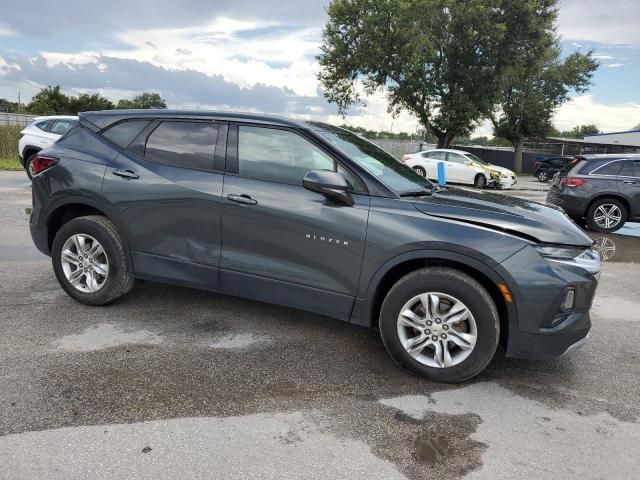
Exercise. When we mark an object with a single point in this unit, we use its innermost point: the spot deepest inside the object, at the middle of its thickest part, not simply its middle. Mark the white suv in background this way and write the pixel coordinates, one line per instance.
(460, 167)
(41, 133)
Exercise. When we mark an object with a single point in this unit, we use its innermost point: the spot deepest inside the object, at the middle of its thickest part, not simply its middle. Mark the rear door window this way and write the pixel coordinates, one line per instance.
(438, 155)
(183, 144)
(612, 168)
(627, 169)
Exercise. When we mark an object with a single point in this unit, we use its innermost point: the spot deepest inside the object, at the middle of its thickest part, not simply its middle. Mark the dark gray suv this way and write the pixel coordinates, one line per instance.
(602, 189)
(314, 217)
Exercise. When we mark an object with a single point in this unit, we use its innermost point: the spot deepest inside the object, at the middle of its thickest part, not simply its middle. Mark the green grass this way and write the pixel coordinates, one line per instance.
(10, 164)
(9, 136)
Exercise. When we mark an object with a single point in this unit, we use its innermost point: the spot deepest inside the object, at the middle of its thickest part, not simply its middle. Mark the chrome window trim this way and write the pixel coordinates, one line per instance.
(594, 172)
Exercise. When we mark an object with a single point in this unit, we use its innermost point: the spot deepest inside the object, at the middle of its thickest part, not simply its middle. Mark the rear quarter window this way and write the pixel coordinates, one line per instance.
(123, 133)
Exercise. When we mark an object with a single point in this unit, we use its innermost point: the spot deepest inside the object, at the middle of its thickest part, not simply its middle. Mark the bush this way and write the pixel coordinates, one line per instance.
(9, 136)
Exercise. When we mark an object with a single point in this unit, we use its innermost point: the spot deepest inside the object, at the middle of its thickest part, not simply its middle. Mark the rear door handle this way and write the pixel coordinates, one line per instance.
(629, 182)
(244, 199)
(128, 174)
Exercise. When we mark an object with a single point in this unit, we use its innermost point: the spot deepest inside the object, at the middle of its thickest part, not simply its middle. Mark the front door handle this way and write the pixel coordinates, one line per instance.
(128, 174)
(629, 182)
(244, 199)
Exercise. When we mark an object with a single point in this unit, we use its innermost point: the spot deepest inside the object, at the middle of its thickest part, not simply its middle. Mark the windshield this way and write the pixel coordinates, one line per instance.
(476, 159)
(394, 174)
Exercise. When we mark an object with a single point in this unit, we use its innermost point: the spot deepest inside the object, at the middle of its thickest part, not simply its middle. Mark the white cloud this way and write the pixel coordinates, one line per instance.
(376, 117)
(584, 110)
(6, 30)
(615, 65)
(598, 21)
(243, 52)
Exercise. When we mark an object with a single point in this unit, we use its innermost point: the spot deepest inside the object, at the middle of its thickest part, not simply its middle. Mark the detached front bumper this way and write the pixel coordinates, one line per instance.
(545, 327)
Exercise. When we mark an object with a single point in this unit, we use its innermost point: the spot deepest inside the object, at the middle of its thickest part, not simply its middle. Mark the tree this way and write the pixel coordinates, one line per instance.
(439, 59)
(49, 101)
(86, 102)
(537, 80)
(8, 106)
(145, 100)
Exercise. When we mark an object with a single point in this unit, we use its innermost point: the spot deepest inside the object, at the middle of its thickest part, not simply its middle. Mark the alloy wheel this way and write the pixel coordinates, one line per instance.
(84, 263)
(437, 329)
(607, 215)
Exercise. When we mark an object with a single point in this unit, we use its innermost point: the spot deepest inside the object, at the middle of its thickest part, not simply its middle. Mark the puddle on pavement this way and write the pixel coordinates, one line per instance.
(106, 335)
(509, 434)
(616, 247)
(239, 340)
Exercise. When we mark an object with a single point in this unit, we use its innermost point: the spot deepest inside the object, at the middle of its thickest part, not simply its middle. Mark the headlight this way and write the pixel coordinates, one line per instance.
(503, 175)
(585, 258)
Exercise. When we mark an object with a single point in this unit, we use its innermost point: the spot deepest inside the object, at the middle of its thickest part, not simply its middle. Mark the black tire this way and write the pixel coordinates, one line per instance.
(420, 171)
(480, 181)
(593, 208)
(456, 284)
(27, 164)
(543, 176)
(120, 278)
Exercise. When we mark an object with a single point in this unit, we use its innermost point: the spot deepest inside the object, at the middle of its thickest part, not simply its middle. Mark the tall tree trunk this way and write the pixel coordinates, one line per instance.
(517, 158)
(444, 139)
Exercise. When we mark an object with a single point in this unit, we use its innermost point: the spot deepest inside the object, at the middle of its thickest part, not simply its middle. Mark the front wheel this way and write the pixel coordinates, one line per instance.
(89, 261)
(480, 181)
(440, 323)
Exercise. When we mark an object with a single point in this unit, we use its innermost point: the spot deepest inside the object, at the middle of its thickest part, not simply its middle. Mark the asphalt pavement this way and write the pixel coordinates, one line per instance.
(177, 383)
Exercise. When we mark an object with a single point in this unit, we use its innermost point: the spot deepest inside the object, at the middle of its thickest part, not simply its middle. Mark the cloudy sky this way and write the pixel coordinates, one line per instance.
(259, 55)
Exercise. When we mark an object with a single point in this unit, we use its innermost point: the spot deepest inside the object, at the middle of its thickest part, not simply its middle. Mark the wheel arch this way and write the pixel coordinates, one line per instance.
(366, 311)
(616, 196)
(27, 151)
(74, 207)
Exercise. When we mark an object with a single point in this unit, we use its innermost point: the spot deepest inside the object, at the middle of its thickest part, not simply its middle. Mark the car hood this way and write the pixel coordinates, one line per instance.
(505, 213)
(506, 171)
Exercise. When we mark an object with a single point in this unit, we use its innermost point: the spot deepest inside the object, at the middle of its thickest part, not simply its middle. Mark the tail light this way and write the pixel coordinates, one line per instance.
(538, 164)
(572, 182)
(40, 164)
(405, 158)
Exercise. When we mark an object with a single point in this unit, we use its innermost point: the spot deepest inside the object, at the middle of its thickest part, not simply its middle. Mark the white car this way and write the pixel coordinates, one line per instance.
(460, 167)
(41, 133)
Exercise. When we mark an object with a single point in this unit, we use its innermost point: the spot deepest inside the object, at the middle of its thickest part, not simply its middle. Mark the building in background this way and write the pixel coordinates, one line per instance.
(630, 137)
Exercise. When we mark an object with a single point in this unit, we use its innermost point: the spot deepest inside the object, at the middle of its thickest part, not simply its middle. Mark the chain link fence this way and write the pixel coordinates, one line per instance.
(398, 148)
(17, 119)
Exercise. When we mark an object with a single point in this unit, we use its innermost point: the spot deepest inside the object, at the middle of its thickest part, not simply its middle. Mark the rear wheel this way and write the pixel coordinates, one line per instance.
(441, 324)
(543, 176)
(89, 261)
(606, 215)
(420, 171)
(480, 181)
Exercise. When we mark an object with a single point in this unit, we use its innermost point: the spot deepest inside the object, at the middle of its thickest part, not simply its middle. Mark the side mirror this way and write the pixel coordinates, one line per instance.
(468, 162)
(330, 184)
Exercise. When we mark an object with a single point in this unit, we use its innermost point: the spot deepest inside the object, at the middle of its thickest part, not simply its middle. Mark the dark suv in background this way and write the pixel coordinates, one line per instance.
(311, 216)
(602, 189)
(545, 169)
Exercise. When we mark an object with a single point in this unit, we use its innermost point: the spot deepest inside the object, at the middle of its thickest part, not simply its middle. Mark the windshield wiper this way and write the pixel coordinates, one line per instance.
(417, 193)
